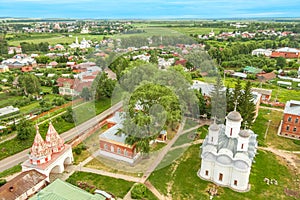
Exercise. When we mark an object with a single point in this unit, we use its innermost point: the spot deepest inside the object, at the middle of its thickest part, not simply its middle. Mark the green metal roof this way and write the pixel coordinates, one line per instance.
(252, 70)
(60, 190)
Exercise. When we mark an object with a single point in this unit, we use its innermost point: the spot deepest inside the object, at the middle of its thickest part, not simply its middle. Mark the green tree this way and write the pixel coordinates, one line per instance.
(139, 191)
(153, 57)
(68, 115)
(246, 106)
(280, 62)
(42, 59)
(25, 129)
(86, 94)
(218, 100)
(29, 83)
(103, 86)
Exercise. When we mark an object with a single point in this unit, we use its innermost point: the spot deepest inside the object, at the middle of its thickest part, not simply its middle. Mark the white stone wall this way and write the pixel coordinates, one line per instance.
(209, 166)
(242, 178)
(225, 170)
(235, 128)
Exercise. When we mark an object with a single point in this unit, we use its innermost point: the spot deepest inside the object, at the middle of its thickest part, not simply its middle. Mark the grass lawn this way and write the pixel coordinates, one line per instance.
(189, 124)
(272, 139)
(97, 164)
(181, 176)
(11, 171)
(117, 187)
(185, 138)
(79, 158)
(90, 109)
(148, 194)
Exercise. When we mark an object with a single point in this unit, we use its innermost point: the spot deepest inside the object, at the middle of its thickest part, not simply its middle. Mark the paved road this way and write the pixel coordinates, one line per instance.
(22, 156)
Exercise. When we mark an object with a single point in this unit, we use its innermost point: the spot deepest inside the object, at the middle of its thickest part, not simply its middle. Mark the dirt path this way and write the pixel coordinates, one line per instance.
(288, 156)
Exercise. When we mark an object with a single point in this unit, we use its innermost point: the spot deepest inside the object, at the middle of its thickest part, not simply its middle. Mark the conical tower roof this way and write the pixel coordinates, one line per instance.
(39, 148)
(53, 140)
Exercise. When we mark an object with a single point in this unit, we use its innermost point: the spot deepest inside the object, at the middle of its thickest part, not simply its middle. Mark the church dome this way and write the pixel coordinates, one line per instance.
(234, 116)
(214, 127)
(244, 133)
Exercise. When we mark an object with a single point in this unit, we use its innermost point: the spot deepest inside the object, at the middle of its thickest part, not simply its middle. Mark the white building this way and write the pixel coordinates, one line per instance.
(264, 52)
(227, 154)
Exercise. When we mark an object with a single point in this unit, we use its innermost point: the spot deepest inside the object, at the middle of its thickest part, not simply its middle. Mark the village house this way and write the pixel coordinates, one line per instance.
(265, 93)
(290, 124)
(227, 154)
(14, 50)
(23, 186)
(72, 87)
(263, 77)
(286, 52)
(264, 52)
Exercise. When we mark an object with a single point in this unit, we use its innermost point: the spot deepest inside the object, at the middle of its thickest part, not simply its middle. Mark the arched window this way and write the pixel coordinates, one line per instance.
(119, 150)
(105, 146)
(125, 152)
(290, 119)
(112, 149)
(287, 127)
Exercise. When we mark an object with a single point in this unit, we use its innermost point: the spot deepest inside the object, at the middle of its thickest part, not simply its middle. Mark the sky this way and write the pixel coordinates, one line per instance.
(149, 9)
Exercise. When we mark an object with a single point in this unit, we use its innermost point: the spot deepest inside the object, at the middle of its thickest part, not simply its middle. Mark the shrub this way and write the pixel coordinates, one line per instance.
(2, 182)
(78, 150)
(139, 192)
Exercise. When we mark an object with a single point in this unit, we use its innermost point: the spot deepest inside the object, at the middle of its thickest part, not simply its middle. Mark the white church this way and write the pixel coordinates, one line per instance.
(227, 154)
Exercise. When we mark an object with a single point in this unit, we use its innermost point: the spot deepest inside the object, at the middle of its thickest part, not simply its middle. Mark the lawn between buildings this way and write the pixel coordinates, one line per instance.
(117, 187)
(181, 181)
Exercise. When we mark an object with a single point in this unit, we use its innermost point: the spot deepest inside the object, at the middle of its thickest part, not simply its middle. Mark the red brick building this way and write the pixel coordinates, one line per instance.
(112, 142)
(286, 52)
(290, 125)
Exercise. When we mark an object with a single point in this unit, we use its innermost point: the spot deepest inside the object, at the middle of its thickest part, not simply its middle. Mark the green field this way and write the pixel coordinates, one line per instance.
(56, 39)
(181, 181)
(117, 187)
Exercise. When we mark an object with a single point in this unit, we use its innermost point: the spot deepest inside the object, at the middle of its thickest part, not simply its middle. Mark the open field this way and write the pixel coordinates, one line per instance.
(56, 39)
(180, 179)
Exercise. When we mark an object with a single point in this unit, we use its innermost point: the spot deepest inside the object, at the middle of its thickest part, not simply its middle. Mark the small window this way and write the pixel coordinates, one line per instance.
(212, 139)
(105, 146)
(125, 152)
(220, 177)
(119, 150)
(206, 173)
(112, 149)
(290, 119)
(235, 182)
(242, 147)
(296, 120)
(294, 129)
(287, 128)
(231, 132)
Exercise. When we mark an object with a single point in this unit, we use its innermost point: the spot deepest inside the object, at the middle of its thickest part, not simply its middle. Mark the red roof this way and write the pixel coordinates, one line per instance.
(284, 54)
(266, 76)
(79, 86)
(62, 81)
(181, 62)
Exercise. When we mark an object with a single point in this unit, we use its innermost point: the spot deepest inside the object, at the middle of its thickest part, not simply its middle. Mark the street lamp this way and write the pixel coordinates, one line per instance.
(267, 129)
